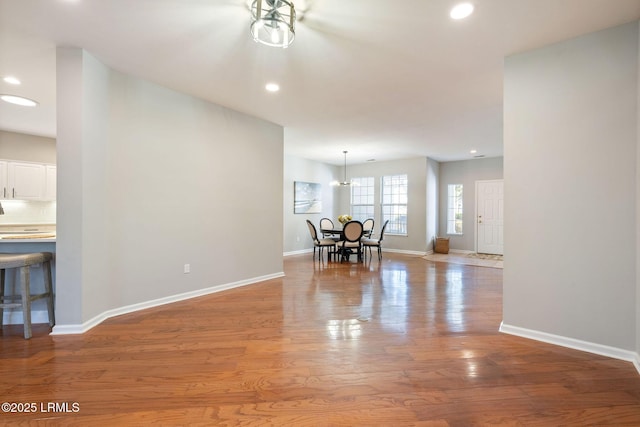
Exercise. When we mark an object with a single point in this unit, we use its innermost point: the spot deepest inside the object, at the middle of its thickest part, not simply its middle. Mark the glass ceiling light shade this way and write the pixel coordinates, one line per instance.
(343, 183)
(273, 22)
(18, 100)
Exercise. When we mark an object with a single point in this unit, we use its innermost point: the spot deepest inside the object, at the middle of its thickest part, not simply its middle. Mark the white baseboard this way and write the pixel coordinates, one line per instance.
(303, 251)
(398, 251)
(402, 251)
(461, 251)
(589, 347)
(84, 327)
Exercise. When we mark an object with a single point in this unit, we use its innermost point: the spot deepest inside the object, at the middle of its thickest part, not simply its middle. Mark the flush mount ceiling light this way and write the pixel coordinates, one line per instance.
(18, 100)
(273, 22)
(272, 87)
(344, 183)
(461, 11)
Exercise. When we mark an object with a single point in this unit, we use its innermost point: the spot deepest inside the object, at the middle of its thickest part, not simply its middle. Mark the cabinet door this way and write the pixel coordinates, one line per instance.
(26, 181)
(50, 184)
(4, 186)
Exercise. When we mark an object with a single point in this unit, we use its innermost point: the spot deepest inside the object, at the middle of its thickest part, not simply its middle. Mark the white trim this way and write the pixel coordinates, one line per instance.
(84, 327)
(589, 347)
(402, 251)
(303, 251)
(461, 251)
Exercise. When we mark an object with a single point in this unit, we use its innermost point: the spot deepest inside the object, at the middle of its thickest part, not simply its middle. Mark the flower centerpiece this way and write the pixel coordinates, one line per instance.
(344, 219)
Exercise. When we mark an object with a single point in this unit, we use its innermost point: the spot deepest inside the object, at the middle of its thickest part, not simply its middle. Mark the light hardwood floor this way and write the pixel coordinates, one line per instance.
(397, 343)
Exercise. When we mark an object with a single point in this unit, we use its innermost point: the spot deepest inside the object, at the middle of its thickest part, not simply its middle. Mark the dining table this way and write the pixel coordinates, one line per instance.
(333, 232)
(340, 234)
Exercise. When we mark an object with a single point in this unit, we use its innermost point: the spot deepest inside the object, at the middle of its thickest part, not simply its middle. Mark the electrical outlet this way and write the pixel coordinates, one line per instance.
(298, 238)
(187, 268)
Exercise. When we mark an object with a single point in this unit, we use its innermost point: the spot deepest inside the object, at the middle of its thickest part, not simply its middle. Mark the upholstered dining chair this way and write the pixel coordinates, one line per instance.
(327, 224)
(367, 244)
(367, 227)
(350, 239)
(320, 243)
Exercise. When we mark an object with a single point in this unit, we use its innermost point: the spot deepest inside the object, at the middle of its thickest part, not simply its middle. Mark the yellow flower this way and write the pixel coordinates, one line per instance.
(344, 219)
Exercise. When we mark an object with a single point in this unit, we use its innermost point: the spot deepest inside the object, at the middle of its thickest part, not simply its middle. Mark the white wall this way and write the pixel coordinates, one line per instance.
(433, 196)
(296, 233)
(465, 172)
(570, 122)
(416, 170)
(637, 196)
(150, 180)
(70, 194)
(31, 148)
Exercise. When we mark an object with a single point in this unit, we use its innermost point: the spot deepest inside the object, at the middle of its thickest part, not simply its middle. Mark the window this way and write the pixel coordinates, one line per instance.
(394, 203)
(362, 198)
(454, 209)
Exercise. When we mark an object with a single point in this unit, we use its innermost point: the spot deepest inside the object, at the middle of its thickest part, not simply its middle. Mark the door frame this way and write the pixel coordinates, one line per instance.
(475, 210)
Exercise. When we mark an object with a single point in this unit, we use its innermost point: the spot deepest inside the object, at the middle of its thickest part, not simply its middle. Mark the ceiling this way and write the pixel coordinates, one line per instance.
(382, 79)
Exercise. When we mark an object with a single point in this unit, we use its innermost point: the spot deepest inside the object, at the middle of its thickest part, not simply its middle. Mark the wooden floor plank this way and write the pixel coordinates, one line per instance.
(402, 342)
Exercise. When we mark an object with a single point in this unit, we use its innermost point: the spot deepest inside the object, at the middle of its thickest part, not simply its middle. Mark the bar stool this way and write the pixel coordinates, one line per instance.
(24, 300)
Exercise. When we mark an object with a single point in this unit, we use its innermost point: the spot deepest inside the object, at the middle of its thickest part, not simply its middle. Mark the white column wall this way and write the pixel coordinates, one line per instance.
(150, 180)
(570, 121)
(433, 194)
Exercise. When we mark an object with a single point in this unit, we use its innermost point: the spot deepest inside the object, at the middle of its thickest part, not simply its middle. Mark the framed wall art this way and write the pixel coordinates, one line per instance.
(307, 197)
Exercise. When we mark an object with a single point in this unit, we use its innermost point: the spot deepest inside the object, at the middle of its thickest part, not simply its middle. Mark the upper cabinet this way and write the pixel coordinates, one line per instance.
(3, 179)
(50, 182)
(27, 181)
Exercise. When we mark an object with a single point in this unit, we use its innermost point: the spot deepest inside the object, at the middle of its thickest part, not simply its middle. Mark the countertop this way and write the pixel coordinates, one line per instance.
(27, 238)
(28, 233)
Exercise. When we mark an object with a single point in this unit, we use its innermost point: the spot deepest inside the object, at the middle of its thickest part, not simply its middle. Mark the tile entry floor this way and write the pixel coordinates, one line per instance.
(466, 259)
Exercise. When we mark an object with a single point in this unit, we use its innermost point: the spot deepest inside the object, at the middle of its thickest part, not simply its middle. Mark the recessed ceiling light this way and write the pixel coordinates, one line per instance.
(473, 151)
(272, 87)
(18, 100)
(461, 11)
(11, 80)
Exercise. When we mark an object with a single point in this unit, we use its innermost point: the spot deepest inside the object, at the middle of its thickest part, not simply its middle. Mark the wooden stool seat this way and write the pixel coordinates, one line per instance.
(23, 262)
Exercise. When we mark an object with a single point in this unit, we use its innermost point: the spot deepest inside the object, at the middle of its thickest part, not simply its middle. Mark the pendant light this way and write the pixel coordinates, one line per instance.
(344, 183)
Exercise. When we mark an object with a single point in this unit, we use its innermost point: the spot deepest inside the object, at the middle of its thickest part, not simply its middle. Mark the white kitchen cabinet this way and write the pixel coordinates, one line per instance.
(3, 179)
(50, 182)
(25, 181)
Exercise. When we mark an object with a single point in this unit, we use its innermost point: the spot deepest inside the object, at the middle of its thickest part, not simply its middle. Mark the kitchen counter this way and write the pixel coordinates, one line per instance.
(19, 241)
(27, 233)
(27, 238)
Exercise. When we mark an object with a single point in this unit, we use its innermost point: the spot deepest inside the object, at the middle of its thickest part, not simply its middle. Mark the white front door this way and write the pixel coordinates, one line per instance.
(490, 219)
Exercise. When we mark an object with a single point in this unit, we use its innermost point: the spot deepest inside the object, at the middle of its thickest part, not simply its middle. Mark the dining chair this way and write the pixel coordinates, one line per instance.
(374, 243)
(320, 243)
(327, 224)
(351, 237)
(367, 227)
